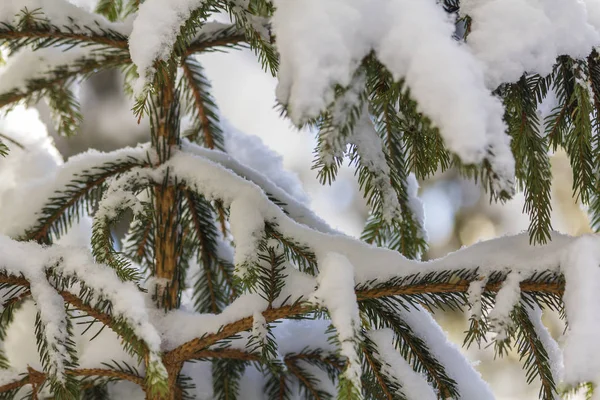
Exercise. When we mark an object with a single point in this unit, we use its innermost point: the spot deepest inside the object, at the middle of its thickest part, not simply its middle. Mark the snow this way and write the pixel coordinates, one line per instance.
(336, 292)
(416, 204)
(444, 78)
(413, 385)
(474, 294)
(260, 328)
(321, 43)
(62, 13)
(32, 261)
(120, 195)
(155, 32)
(469, 382)
(169, 324)
(582, 299)
(507, 298)
(26, 65)
(25, 208)
(370, 150)
(511, 37)
(555, 355)
(246, 225)
(250, 151)
(227, 164)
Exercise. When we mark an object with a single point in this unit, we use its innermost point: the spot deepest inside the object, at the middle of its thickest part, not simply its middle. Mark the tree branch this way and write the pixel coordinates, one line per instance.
(189, 349)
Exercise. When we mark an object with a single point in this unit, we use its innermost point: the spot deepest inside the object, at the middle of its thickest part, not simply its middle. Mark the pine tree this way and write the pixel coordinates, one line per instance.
(222, 267)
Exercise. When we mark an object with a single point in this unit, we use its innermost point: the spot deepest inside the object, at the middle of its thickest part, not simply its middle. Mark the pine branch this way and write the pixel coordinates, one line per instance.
(387, 388)
(80, 194)
(213, 287)
(533, 353)
(140, 240)
(579, 141)
(226, 376)
(62, 76)
(41, 34)
(530, 149)
(308, 382)
(384, 314)
(257, 32)
(111, 9)
(300, 254)
(453, 286)
(65, 110)
(405, 235)
(226, 37)
(205, 115)
(39, 377)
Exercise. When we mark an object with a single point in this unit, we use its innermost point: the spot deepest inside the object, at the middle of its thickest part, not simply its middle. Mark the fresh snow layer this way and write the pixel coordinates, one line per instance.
(555, 355)
(25, 207)
(252, 152)
(155, 32)
(412, 384)
(507, 298)
(322, 42)
(369, 147)
(61, 13)
(469, 383)
(336, 293)
(581, 265)
(27, 64)
(511, 37)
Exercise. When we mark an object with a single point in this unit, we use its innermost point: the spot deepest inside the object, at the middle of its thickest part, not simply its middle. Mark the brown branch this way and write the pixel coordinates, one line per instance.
(233, 354)
(222, 219)
(20, 95)
(457, 287)
(55, 34)
(109, 373)
(36, 378)
(293, 368)
(200, 46)
(208, 137)
(42, 232)
(377, 374)
(194, 346)
(14, 385)
(75, 301)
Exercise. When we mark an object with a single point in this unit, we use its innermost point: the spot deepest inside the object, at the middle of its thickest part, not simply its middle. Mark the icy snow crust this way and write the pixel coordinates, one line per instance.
(322, 42)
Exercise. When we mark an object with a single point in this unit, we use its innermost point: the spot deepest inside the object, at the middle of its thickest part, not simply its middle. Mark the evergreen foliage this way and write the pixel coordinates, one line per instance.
(181, 226)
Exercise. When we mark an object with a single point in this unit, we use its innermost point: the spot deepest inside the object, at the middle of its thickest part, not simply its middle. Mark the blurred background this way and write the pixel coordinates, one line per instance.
(458, 212)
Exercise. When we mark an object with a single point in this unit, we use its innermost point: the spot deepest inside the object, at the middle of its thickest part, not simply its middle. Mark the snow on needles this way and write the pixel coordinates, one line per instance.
(33, 262)
(507, 298)
(155, 32)
(336, 293)
(61, 13)
(412, 384)
(27, 65)
(515, 36)
(321, 43)
(469, 383)
(582, 302)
